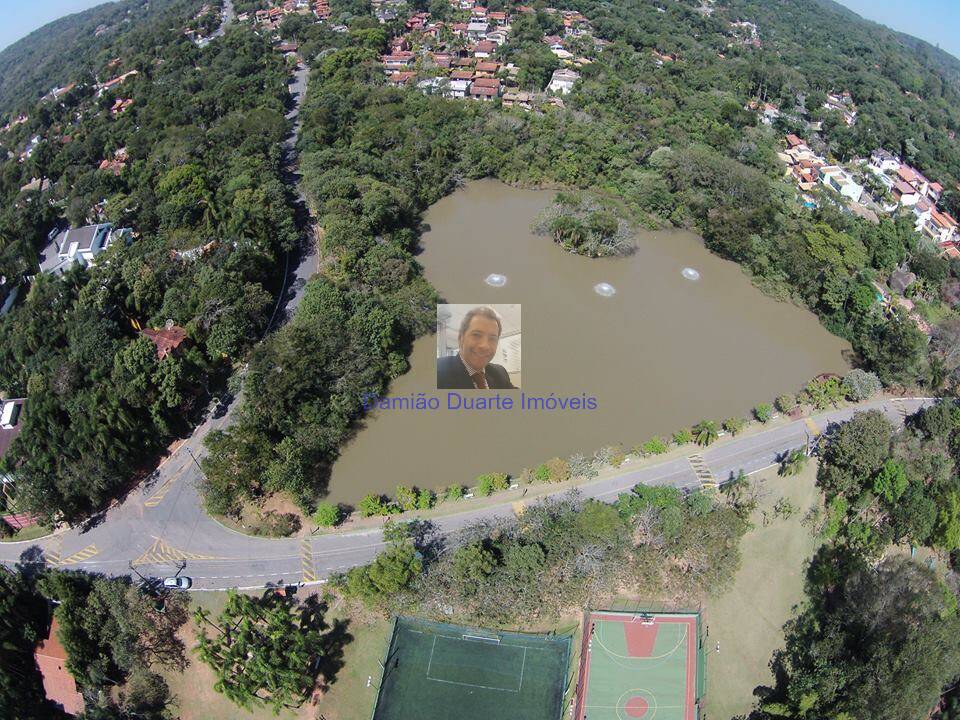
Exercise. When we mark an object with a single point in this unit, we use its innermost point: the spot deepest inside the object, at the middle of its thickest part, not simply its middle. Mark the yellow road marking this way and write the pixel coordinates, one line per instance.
(159, 495)
(160, 552)
(812, 426)
(52, 551)
(308, 570)
(88, 552)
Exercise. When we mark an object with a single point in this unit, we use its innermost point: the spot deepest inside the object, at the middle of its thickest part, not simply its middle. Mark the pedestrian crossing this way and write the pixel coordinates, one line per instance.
(308, 570)
(702, 471)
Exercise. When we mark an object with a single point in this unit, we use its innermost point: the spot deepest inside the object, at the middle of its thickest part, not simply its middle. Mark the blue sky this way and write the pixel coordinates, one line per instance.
(22, 17)
(936, 21)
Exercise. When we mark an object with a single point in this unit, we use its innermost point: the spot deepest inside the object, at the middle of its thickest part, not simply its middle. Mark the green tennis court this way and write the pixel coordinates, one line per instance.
(436, 671)
(640, 666)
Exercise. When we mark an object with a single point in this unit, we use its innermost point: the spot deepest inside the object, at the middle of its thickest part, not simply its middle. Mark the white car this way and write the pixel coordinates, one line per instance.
(179, 583)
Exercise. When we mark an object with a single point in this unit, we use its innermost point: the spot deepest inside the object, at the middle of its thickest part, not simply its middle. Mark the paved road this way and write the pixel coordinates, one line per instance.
(228, 16)
(162, 525)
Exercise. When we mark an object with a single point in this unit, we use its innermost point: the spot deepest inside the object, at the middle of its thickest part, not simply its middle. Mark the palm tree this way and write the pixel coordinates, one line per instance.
(705, 432)
(793, 463)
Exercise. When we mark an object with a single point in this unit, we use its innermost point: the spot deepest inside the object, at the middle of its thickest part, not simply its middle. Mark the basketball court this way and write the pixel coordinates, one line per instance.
(640, 665)
(436, 671)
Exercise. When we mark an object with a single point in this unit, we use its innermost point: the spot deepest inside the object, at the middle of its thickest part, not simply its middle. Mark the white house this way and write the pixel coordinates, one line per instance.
(79, 245)
(458, 88)
(838, 180)
(884, 161)
(477, 30)
(563, 81)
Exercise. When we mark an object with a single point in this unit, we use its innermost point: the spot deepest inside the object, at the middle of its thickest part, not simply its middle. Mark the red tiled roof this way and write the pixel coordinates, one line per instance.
(904, 189)
(462, 75)
(486, 82)
(488, 66)
(481, 90)
(58, 683)
(793, 140)
(907, 173)
(167, 340)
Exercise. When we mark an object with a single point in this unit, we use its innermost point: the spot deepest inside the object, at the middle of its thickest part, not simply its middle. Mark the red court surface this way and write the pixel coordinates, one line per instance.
(639, 665)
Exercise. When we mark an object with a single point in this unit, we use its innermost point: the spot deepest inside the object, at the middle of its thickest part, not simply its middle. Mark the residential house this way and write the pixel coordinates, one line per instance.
(167, 339)
(459, 87)
(477, 30)
(401, 79)
(499, 37)
(483, 92)
(79, 245)
(884, 161)
(793, 141)
(563, 81)
(58, 683)
(484, 49)
(120, 105)
(101, 89)
(769, 114)
(905, 194)
(497, 18)
(398, 61)
(938, 226)
(487, 69)
(517, 99)
(839, 180)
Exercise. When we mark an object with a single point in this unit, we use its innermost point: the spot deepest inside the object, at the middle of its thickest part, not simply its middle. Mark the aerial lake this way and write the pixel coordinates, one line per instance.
(663, 351)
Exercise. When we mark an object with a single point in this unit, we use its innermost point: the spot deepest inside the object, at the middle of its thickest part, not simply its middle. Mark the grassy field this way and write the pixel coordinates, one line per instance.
(748, 620)
(348, 697)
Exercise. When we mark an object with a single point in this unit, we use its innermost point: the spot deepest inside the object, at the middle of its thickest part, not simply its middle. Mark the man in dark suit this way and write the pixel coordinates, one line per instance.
(470, 368)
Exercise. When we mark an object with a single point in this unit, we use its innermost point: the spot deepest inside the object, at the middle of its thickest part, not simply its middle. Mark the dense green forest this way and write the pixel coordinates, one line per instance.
(201, 190)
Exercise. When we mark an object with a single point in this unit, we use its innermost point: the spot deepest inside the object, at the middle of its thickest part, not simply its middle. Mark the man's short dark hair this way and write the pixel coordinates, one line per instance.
(482, 311)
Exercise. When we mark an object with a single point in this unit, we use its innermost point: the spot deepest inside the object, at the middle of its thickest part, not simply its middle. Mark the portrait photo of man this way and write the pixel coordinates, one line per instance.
(479, 337)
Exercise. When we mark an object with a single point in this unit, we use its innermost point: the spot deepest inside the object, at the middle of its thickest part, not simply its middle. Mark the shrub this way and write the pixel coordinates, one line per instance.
(541, 473)
(785, 403)
(426, 500)
(6, 530)
(654, 446)
(406, 498)
(558, 469)
(489, 483)
(859, 385)
(327, 515)
(454, 492)
(372, 505)
(682, 437)
(763, 412)
(581, 467)
(734, 425)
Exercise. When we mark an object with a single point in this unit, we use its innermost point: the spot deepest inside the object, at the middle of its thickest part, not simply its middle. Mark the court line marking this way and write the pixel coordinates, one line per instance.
(523, 664)
(483, 687)
(432, 648)
(462, 638)
(683, 637)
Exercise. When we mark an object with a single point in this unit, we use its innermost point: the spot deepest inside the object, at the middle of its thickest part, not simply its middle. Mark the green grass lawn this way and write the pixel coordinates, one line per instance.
(29, 533)
(748, 620)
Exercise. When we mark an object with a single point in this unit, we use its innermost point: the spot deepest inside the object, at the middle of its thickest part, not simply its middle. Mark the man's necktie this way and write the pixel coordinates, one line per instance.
(479, 381)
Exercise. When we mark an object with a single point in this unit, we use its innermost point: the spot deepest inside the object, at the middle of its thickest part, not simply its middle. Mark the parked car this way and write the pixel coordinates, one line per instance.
(181, 582)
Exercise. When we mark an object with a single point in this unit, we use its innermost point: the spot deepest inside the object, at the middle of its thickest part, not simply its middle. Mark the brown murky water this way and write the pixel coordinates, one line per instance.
(662, 353)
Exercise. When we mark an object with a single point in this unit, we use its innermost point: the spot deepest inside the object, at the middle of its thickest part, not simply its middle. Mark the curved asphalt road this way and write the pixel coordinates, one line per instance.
(162, 525)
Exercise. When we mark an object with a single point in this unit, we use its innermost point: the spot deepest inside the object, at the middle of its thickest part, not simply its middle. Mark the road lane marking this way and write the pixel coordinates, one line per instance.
(161, 552)
(88, 552)
(308, 570)
(160, 494)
